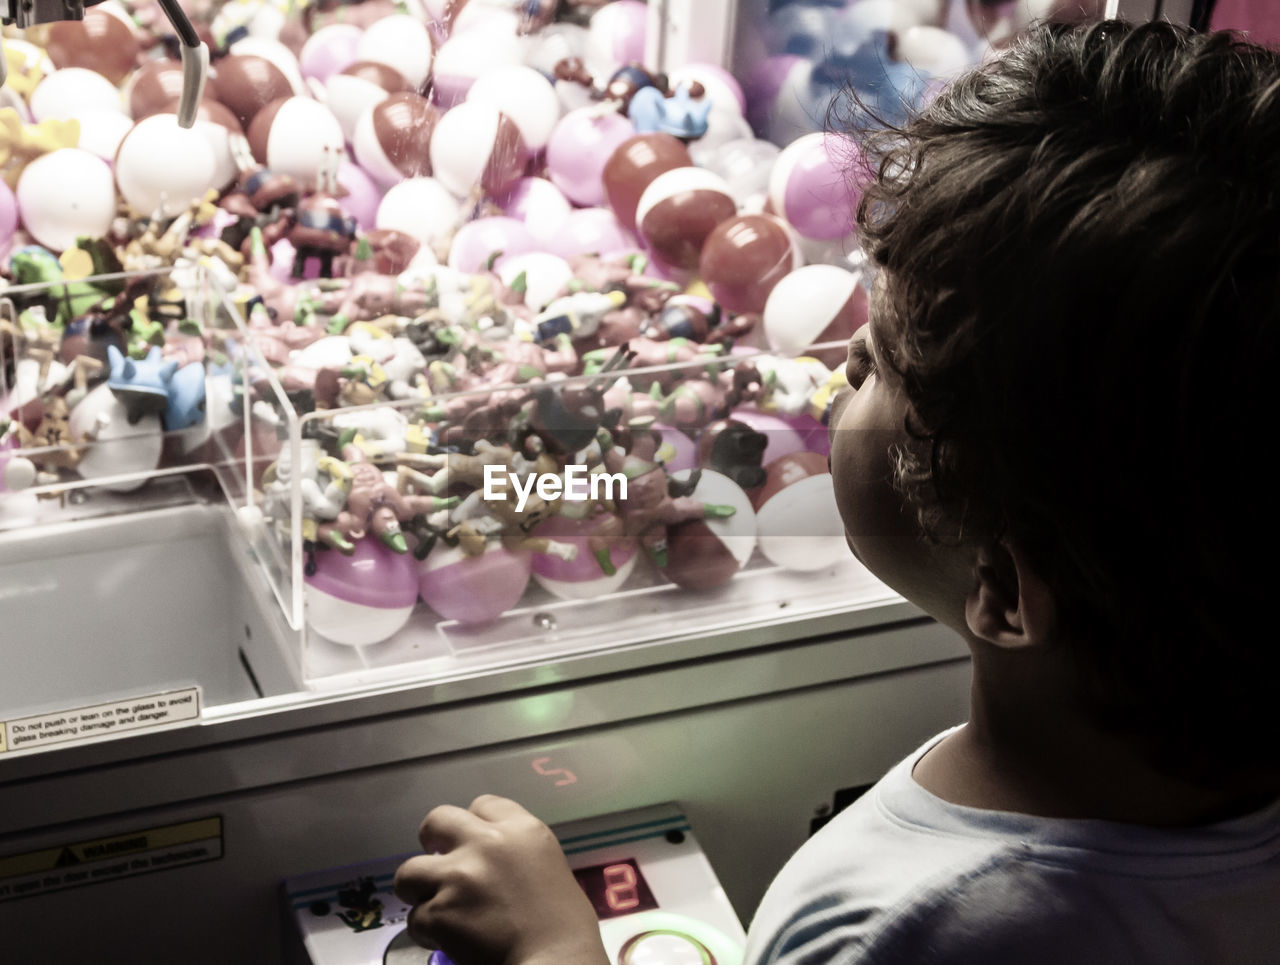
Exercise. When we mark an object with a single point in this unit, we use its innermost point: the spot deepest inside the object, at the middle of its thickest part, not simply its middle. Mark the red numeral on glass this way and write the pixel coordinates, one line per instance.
(620, 887)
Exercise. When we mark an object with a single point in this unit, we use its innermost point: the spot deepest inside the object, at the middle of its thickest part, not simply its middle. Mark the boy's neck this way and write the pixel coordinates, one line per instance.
(1030, 749)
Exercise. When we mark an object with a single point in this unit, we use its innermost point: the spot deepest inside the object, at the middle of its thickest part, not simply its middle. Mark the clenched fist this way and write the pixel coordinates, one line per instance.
(494, 889)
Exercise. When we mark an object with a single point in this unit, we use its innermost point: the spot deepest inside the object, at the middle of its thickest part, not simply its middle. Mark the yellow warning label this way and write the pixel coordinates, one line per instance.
(4, 734)
(116, 846)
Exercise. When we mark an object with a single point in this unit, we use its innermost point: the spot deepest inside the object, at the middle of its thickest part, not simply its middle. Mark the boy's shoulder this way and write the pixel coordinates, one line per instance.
(902, 876)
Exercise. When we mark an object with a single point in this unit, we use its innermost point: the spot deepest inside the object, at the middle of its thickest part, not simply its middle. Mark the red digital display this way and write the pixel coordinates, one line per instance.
(617, 888)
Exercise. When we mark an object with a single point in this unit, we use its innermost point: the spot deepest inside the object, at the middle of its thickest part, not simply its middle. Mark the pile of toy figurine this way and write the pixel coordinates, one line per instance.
(471, 239)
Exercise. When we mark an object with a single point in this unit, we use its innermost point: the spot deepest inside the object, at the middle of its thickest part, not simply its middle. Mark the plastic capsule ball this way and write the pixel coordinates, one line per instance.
(538, 275)
(798, 525)
(746, 165)
(296, 136)
(679, 210)
(157, 84)
(580, 147)
(706, 553)
(420, 207)
(525, 96)
(530, 14)
(814, 304)
(473, 590)
(588, 231)
(73, 91)
(246, 84)
(352, 91)
(477, 144)
(104, 42)
(102, 131)
(677, 451)
(161, 168)
(582, 577)
(538, 203)
(477, 243)
(744, 258)
(616, 36)
(119, 447)
(278, 54)
(934, 51)
(363, 598)
(634, 165)
(812, 185)
(469, 55)
(218, 125)
(393, 137)
(363, 195)
(720, 86)
(65, 195)
(329, 50)
(399, 41)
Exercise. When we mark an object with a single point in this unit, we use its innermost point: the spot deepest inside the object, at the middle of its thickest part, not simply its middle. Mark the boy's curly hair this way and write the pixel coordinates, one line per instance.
(1081, 249)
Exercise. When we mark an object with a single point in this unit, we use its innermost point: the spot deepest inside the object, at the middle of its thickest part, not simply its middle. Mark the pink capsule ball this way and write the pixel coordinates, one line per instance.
(478, 243)
(592, 231)
(363, 598)
(538, 203)
(812, 185)
(473, 590)
(580, 578)
(362, 197)
(579, 148)
(329, 50)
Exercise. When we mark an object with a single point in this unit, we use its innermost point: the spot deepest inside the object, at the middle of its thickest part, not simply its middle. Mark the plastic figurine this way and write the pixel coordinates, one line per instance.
(375, 506)
(733, 449)
(323, 483)
(642, 353)
(52, 435)
(682, 113)
(142, 386)
(477, 519)
(321, 229)
(653, 502)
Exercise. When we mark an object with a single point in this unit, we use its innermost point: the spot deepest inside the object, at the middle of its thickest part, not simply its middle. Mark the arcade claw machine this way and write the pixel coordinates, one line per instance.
(433, 404)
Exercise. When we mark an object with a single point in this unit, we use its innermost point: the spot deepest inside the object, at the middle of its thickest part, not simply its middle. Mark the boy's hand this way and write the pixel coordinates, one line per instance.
(493, 889)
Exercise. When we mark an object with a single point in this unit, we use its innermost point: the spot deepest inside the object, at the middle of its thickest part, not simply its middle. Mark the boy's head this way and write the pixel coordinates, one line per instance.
(1077, 315)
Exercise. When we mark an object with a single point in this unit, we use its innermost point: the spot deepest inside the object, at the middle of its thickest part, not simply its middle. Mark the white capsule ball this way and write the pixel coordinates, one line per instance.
(66, 194)
(420, 207)
(162, 167)
(401, 42)
(73, 91)
(296, 136)
(525, 96)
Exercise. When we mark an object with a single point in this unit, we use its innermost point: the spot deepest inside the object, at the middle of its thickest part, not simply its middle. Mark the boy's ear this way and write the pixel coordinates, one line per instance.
(1010, 605)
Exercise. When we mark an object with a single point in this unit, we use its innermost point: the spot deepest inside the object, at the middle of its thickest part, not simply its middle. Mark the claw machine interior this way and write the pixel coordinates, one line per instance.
(440, 413)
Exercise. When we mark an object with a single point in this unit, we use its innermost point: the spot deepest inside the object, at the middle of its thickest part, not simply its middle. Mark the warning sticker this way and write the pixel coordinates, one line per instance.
(129, 715)
(106, 859)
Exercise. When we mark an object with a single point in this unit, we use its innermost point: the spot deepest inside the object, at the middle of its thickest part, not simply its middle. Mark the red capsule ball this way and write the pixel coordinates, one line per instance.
(634, 166)
(679, 210)
(247, 83)
(744, 258)
(101, 42)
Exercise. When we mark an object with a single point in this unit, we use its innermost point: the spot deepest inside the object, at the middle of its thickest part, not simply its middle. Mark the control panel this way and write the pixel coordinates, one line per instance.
(654, 892)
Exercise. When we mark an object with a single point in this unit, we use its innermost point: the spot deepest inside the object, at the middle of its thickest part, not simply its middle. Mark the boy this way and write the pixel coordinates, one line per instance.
(1051, 446)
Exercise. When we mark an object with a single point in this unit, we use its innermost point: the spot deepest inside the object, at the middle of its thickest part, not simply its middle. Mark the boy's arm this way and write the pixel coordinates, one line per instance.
(494, 889)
